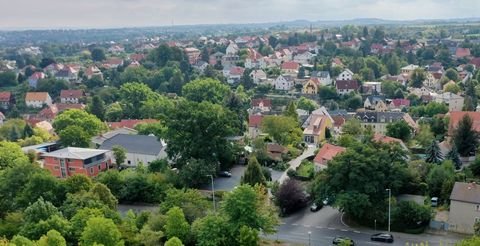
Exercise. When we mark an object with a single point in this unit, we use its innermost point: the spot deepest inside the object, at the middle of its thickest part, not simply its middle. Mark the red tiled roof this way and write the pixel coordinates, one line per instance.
(327, 152)
(276, 148)
(37, 76)
(71, 94)
(237, 71)
(462, 52)
(475, 61)
(401, 102)
(457, 116)
(129, 123)
(347, 84)
(385, 139)
(290, 65)
(48, 113)
(5, 96)
(265, 102)
(137, 57)
(255, 121)
(338, 120)
(36, 96)
(64, 106)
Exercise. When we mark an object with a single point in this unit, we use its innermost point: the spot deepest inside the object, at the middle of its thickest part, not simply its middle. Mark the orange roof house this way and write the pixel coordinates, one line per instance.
(457, 116)
(325, 154)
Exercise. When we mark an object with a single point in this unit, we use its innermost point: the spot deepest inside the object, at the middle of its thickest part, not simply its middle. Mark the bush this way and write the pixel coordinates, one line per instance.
(290, 196)
(291, 173)
(306, 170)
(408, 215)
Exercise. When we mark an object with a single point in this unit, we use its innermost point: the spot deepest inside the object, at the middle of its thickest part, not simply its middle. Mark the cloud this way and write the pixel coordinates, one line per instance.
(118, 13)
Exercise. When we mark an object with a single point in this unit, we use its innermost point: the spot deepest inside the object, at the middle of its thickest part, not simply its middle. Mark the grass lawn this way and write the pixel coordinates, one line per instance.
(305, 169)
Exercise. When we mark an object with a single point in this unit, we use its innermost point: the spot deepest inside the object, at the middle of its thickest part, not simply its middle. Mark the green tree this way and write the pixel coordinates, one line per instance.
(307, 104)
(101, 231)
(78, 182)
(204, 127)
(120, 154)
(291, 110)
(133, 95)
(465, 137)
(253, 174)
(417, 78)
(249, 206)
(8, 79)
(440, 180)
(52, 85)
(469, 241)
(454, 157)
(410, 215)
(114, 112)
(79, 220)
(451, 74)
(283, 129)
(210, 90)
(425, 135)
(11, 154)
(98, 54)
(212, 230)
(97, 107)
(399, 129)
(74, 136)
(393, 64)
(453, 88)
(353, 127)
(53, 238)
(433, 153)
(191, 201)
(174, 241)
(248, 236)
(176, 225)
(90, 124)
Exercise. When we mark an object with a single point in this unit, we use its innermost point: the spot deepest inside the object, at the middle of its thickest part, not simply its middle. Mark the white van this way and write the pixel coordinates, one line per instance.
(434, 201)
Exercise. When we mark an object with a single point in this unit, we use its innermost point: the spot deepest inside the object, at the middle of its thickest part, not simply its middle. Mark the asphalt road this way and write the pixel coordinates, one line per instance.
(326, 224)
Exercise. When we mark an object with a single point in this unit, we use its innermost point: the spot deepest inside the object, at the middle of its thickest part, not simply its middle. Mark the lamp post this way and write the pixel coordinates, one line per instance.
(309, 238)
(213, 193)
(389, 199)
(375, 221)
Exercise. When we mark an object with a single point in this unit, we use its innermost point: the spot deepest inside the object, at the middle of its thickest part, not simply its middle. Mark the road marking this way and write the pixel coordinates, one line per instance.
(294, 224)
(330, 228)
(341, 220)
(343, 230)
(306, 226)
(318, 227)
(283, 223)
(356, 231)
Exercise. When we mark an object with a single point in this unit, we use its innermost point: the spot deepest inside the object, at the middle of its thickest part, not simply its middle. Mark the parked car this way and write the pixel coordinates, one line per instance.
(343, 241)
(382, 237)
(225, 174)
(315, 207)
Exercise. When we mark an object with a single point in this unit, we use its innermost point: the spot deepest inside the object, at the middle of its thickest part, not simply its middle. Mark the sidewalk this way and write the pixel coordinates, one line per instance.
(296, 162)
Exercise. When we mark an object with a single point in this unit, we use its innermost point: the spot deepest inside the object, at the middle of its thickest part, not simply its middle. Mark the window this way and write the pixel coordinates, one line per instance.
(56, 167)
(478, 208)
(91, 170)
(129, 162)
(71, 169)
(99, 167)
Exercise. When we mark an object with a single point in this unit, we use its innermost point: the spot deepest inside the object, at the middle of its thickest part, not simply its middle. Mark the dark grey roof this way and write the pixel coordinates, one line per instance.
(320, 74)
(375, 117)
(138, 144)
(466, 192)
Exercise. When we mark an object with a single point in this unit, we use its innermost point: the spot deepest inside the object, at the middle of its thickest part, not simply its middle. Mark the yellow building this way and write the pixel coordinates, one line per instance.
(311, 87)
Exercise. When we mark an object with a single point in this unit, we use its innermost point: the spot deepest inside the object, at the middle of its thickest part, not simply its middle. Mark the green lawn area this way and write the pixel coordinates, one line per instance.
(306, 169)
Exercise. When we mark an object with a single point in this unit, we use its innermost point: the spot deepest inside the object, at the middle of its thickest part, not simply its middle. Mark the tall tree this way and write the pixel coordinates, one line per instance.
(291, 110)
(210, 90)
(417, 78)
(465, 137)
(11, 154)
(283, 129)
(433, 153)
(399, 129)
(101, 231)
(119, 153)
(176, 225)
(75, 117)
(97, 107)
(253, 174)
(454, 157)
(98, 54)
(290, 196)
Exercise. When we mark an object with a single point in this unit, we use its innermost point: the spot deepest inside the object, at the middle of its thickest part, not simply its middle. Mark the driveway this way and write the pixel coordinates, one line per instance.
(296, 162)
(227, 184)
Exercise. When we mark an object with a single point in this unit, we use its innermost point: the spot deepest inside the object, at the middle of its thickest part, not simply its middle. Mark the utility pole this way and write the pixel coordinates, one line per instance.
(389, 200)
(213, 193)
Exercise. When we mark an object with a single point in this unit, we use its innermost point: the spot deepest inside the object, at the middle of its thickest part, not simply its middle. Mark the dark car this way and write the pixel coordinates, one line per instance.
(382, 237)
(315, 207)
(225, 174)
(343, 241)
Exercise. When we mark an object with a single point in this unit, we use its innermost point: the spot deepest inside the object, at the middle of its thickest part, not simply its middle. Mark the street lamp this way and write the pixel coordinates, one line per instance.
(389, 199)
(309, 236)
(213, 193)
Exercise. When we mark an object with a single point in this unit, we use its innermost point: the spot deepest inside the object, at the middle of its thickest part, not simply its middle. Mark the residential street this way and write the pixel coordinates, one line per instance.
(296, 162)
(326, 224)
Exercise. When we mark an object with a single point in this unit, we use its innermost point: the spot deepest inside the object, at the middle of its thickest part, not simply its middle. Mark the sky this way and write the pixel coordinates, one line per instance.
(21, 14)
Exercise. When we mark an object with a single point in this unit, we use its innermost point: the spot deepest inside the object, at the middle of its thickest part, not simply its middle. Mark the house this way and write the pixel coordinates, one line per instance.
(346, 86)
(378, 121)
(215, 58)
(93, 71)
(325, 154)
(408, 69)
(129, 123)
(139, 148)
(72, 96)
(113, 62)
(98, 140)
(37, 99)
(431, 79)
(232, 49)
(345, 75)
(276, 151)
(34, 78)
(336, 62)
(69, 161)
(374, 88)
(453, 101)
(323, 77)
(193, 54)
(116, 49)
(462, 52)
(254, 125)
(388, 140)
(230, 60)
(311, 87)
(254, 59)
(2, 118)
(68, 73)
(303, 58)
(6, 99)
(290, 67)
(316, 127)
(398, 103)
(456, 117)
(137, 57)
(258, 76)
(262, 105)
(134, 64)
(464, 207)
(283, 82)
(371, 102)
(200, 66)
(53, 68)
(234, 74)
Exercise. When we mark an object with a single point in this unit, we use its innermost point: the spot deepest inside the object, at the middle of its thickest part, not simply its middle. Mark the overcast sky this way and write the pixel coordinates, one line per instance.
(127, 13)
